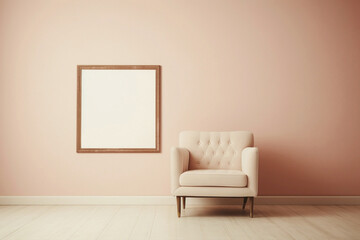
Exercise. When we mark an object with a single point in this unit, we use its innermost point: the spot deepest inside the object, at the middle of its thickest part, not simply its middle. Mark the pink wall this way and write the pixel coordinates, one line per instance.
(287, 70)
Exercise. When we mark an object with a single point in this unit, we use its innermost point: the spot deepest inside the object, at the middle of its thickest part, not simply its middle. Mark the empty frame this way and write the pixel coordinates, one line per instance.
(118, 108)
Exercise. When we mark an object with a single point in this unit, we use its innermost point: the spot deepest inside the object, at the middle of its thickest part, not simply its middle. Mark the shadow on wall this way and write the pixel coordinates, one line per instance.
(284, 172)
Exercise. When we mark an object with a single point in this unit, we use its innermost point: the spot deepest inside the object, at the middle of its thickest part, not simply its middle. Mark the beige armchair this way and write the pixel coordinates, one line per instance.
(215, 164)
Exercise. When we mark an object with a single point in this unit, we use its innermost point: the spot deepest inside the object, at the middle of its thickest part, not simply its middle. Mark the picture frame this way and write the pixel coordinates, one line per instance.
(118, 109)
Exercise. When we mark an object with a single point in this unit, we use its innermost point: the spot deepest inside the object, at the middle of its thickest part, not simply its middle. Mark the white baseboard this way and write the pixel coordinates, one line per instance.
(308, 200)
(170, 200)
(86, 200)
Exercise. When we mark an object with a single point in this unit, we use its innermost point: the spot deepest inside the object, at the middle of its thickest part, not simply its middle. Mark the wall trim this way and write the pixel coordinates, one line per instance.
(170, 200)
(86, 200)
(309, 200)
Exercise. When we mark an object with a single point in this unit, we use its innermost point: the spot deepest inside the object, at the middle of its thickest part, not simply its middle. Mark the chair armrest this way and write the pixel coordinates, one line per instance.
(179, 163)
(250, 166)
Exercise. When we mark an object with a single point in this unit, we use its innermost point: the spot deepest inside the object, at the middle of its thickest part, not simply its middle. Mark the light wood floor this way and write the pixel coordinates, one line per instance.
(161, 222)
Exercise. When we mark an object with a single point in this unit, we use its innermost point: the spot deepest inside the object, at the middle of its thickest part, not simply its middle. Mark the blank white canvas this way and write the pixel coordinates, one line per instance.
(118, 109)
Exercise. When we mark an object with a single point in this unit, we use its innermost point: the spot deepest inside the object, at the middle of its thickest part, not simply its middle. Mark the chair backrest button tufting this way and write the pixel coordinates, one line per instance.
(215, 150)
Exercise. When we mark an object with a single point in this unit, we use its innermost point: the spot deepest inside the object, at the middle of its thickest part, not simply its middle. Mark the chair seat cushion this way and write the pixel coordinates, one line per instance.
(213, 178)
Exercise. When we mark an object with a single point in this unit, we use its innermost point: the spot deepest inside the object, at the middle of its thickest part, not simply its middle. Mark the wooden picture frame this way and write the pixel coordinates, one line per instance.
(118, 109)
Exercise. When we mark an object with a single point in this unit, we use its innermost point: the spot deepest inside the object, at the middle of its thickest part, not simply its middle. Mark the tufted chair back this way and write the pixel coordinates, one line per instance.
(215, 150)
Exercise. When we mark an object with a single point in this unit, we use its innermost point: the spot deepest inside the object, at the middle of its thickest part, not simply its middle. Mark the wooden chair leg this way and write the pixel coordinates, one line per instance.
(251, 207)
(184, 200)
(244, 202)
(178, 206)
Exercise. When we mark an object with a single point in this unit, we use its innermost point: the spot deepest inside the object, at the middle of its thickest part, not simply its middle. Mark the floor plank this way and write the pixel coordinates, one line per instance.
(96, 223)
(12, 221)
(122, 224)
(161, 222)
(143, 224)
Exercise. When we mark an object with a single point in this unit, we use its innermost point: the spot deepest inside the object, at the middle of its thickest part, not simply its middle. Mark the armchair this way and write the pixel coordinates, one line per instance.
(214, 164)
